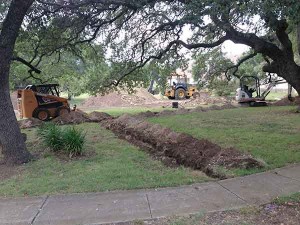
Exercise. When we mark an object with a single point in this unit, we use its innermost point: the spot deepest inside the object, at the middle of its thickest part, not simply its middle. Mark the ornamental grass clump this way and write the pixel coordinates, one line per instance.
(69, 139)
(73, 141)
(51, 135)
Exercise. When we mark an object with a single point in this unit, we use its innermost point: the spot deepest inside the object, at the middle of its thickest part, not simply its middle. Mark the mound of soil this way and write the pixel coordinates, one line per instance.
(78, 116)
(179, 148)
(74, 117)
(183, 111)
(120, 99)
(287, 102)
(28, 123)
(193, 102)
(99, 116)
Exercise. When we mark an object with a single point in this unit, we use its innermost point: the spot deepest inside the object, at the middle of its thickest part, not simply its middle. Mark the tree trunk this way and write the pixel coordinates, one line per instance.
(286, 69)
(291, 73)
(11, 139)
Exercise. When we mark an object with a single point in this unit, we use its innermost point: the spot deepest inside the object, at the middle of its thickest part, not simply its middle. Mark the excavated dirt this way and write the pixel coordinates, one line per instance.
(74, 117)
(120, 99)
(183, 111)
(287, 102)
(205, 100)
(178, 148)
(77, 117)
(98, 116)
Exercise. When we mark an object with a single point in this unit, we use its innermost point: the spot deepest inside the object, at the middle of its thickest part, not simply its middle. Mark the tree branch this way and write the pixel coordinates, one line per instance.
(203, 45)
(32, 68)
(236, 66)
(166, 50)
(259, 45)
(281, 26)
(32, 76)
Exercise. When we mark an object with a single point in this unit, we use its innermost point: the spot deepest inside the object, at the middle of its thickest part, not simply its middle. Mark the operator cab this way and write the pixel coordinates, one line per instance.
(252, 95)
(47, 89)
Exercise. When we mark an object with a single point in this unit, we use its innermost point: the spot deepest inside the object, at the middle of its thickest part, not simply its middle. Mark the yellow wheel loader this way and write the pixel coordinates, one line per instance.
(179, 89)
(41, 102)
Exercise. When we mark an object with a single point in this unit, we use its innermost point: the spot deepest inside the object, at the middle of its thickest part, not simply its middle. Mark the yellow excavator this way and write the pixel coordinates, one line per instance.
(42, 102)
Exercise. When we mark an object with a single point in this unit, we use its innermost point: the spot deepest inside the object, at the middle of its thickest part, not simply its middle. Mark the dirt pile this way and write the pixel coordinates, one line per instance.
(206, 100)
(77, 117)
(99, 116)
(178, 148)
(183, 111)
(287, 102)
(74, 117)
(120, 99)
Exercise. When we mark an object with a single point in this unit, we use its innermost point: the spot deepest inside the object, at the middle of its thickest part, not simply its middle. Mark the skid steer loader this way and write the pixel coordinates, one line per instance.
(41, 102)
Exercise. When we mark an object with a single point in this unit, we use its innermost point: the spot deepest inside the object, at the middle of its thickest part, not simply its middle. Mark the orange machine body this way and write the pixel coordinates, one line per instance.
(31, 103)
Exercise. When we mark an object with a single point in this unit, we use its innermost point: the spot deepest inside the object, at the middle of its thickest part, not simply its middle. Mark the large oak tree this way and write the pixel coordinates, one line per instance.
(137, 32)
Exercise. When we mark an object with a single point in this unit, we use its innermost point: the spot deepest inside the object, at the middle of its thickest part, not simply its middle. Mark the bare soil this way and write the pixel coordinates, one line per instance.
(182, 111)
(287, 214)
(175, 149)
(7, 171)
(74, 117)
(141, 97)
(207, 100)
(287, 102)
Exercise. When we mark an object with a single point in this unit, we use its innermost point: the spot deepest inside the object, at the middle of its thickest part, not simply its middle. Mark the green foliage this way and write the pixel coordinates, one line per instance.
(210, 65)
(252, 67)
(210, 70)
(223, 87)
(52, 33)
(73, 141)
(293, 198)
(65, 139)
(51, 135)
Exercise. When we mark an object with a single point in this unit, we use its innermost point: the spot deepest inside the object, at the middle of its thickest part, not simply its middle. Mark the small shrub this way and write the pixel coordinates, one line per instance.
(68, 139)
(51, 135)
(73, 141)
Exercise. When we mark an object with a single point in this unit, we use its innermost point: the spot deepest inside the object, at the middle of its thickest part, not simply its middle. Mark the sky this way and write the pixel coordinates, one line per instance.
(234, 51)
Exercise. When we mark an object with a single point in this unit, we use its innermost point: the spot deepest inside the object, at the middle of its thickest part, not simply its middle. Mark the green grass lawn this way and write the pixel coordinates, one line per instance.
(268, 133)
(112, 164)
(293, 198)
(273, 96)
(130, 110)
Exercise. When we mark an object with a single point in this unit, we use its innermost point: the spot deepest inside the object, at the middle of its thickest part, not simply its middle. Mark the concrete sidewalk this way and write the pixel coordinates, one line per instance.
(119, 206)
